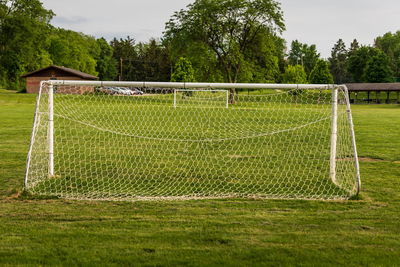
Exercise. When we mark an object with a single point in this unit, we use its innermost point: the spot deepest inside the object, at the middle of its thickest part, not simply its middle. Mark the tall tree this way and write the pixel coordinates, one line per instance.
(153, 61)
(125, 53)
(311, 57)
(390, 44)
(239, 36)
(321, 74)
(143, 61)
(378, 69)
(106, 64)
(338, 62)
(358, 60)
(354, 46)
(24, 26)
(296, 53)
(304, 55)
(74, 50)
(294, 75)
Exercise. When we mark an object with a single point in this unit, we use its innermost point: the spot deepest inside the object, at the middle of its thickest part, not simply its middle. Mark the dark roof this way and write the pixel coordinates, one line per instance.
(373, 86)
(68, 70)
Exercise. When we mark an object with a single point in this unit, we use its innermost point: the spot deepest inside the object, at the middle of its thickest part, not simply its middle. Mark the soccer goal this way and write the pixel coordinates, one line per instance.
(157, 141)
(201, 98)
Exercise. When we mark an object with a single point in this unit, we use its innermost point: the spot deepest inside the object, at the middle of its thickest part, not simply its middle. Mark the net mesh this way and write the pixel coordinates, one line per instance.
(159, 143)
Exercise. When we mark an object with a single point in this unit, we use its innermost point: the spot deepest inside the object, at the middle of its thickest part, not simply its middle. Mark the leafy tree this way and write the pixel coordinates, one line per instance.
(358, 60)
(304, 55)
(183, 71)
(236, 38)
(311, 57)
(74, 50)
(338, 62)
(321, 74)
(296, 53)
(106, 64)
(378, 69)
(390, 44)
(295, 75)
(24, 26)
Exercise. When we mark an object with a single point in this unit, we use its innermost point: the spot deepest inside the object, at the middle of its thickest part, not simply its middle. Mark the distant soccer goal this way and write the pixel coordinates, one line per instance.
(201, 98)
(159, 141)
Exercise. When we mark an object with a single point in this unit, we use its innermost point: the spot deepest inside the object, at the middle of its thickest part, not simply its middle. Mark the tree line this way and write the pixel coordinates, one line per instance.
(213, 41)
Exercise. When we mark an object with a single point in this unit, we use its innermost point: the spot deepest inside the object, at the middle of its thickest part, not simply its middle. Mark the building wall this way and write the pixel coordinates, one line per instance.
(33, 83)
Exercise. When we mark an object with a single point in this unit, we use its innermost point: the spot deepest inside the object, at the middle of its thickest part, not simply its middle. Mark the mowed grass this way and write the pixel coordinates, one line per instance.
(229, 232)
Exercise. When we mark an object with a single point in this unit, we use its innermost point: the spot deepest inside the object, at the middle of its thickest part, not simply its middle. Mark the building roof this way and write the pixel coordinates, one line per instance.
(68, 70)
(373, 86)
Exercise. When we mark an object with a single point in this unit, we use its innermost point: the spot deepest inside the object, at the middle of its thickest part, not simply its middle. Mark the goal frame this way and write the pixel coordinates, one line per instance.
(207, 87)
(202, 90)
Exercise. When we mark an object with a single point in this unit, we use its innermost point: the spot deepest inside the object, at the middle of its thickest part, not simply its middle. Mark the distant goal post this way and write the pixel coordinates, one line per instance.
(131, 145)
(207, 97)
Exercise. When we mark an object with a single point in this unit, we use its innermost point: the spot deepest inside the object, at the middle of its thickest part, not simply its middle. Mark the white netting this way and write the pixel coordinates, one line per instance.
(160, 143)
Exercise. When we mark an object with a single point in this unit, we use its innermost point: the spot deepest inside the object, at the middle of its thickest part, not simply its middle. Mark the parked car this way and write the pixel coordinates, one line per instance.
(120, 91)
(136, 91)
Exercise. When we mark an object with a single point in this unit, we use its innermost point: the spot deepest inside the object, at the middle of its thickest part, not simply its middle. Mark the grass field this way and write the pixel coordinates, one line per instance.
(230, 232)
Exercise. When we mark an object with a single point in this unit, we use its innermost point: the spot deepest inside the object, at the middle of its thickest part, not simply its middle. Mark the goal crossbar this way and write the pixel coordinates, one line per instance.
(185, 85)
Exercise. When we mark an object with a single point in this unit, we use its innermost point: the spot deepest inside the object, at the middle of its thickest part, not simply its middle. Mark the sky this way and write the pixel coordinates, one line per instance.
(319, 22)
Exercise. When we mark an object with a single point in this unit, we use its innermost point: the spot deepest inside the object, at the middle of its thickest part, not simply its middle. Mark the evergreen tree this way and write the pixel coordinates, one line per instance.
(153, 61)
(338, 62)
(354, 46)
(125, 54)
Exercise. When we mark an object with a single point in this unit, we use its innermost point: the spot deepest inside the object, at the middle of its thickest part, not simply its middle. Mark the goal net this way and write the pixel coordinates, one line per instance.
(154, 141)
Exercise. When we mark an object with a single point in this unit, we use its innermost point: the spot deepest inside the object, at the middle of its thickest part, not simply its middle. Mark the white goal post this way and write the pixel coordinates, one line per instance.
(125, 141)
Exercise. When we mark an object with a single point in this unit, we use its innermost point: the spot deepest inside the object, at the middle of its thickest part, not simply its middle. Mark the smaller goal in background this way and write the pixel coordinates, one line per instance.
(201, 98)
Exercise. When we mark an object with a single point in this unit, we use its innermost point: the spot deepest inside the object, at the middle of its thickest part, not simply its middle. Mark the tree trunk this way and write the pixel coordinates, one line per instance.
(232, 93)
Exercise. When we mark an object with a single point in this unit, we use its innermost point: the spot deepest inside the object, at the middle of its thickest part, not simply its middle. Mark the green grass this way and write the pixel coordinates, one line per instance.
(363, 232)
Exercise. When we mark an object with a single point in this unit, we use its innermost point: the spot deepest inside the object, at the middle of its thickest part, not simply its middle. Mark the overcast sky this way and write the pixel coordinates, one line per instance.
(320, 22)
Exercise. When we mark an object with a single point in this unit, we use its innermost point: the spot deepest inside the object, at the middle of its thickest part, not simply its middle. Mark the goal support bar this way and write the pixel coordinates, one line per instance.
(51, 130)
(353, 138)
(183, 85)
(334, 135)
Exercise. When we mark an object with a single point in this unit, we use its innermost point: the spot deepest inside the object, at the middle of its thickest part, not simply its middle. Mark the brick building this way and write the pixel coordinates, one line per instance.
(53, 72)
